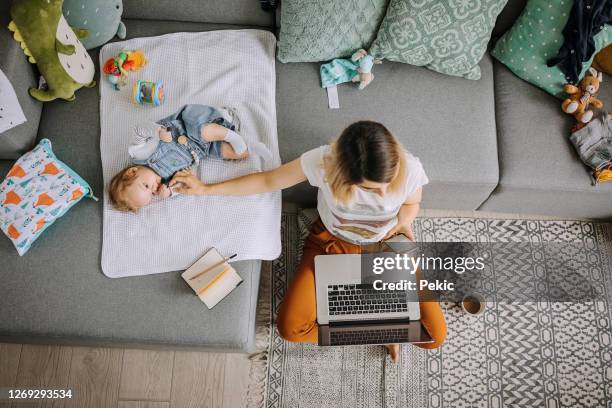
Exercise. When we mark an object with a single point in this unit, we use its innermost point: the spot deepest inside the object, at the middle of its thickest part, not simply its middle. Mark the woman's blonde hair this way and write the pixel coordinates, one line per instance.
(365, 150)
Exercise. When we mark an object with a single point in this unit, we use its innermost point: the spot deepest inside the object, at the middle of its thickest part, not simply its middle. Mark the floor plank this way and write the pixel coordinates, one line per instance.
(236, 380)
(94, 377)
(9, 365)
(146, 375)
(143, 404)
(43, 367)
(198, 380)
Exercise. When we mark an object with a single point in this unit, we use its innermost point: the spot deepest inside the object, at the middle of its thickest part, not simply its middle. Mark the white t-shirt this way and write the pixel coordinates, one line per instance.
(368, 217)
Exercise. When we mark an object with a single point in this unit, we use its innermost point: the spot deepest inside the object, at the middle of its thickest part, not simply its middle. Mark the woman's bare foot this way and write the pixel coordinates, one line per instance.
(394, 351)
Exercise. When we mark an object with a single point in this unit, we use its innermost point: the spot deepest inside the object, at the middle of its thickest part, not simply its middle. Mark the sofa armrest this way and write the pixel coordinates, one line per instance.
(22, 75)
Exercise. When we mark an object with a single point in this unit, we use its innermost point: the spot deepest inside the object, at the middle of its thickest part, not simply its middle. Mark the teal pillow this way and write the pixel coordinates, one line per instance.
(445, 36)
(321, 30)
(101, 18)
(537, 36)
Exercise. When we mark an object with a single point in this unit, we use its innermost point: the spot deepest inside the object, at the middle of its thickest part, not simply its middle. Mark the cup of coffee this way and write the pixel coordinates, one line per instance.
(473, 304)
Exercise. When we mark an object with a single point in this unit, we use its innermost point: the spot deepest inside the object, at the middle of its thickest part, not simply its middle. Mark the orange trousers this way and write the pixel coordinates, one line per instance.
(297, 317)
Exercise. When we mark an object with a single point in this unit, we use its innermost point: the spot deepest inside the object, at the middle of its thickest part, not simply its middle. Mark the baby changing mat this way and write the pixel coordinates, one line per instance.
(233, 68)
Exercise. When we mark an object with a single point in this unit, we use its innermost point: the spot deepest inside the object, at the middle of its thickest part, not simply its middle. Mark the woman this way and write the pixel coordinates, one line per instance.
(369, 190)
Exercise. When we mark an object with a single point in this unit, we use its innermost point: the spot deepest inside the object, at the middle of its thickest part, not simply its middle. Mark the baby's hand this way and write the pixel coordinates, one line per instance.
(164, 191)
(165, 135)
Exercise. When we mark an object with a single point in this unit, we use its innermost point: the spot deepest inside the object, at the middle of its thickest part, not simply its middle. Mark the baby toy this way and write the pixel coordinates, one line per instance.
(148, 92)
(51, 44)
(356, 69)
(102, 18)
(582, 96)
(116, 69)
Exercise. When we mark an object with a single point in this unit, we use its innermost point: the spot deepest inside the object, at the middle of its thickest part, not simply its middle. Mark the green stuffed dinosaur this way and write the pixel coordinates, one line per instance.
(49, 42)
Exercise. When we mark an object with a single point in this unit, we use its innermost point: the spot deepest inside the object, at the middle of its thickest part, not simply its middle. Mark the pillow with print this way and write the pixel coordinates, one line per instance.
(535, 37)
(37, 190)
(449, 37)
(321, 30)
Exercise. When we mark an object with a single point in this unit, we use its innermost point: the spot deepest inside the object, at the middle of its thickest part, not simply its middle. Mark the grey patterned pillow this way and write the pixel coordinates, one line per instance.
(448, 36)
(321, 30)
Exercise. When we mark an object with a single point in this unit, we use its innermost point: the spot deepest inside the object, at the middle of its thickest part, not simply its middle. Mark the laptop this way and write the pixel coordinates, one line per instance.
(351, 312)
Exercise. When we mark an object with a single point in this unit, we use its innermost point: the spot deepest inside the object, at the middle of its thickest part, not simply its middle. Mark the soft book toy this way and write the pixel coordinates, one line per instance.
(101, 18)
(356, 69)
(581, 97)
(50, 43)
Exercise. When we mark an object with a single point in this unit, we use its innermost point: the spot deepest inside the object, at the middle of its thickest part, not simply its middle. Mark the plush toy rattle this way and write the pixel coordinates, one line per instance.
(356, 69)
(116, 69)
(582, 96)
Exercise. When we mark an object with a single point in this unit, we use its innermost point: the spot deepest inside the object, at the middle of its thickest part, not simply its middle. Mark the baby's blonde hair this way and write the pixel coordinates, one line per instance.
(119, 183)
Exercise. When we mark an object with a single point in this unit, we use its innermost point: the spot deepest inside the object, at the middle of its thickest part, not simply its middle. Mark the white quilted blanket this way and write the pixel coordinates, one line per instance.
(218, 68)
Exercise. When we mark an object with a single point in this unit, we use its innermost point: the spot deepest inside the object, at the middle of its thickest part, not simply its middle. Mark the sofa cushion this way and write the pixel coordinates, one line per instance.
(322, 30)
(243, 12)
(448, 122)
(36, 192)
(540, 172)
(13, 62)
(58, 291)
(535, 38)
(446, 37)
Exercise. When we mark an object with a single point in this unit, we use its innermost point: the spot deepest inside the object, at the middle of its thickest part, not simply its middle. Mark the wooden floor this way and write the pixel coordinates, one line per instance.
(109, 378)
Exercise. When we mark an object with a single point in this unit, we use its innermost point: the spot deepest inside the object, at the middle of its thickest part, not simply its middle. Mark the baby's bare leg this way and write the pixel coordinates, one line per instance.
(228, 152)
(213, 132)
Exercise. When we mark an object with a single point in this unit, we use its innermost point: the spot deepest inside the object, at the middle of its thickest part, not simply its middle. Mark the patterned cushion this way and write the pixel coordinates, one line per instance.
(537, 36)
(320, 30)
(36, 191)
(445, 36)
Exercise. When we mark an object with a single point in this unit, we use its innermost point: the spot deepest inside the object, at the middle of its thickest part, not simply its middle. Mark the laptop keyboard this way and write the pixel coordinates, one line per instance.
(387, 336)
(362, 298)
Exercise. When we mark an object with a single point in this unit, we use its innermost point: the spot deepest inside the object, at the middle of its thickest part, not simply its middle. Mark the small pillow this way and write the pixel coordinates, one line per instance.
(101, 18)
(37, 190)
(535, 37)
(321, 30)
(449, 37)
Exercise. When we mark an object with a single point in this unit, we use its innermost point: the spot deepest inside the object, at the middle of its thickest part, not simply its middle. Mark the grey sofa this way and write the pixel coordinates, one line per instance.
(497, 144)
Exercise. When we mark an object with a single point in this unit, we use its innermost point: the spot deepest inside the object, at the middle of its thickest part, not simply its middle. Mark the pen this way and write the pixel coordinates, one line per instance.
(212, 267)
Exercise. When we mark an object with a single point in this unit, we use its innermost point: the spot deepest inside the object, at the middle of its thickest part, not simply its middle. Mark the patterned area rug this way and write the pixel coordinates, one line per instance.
(523, 354)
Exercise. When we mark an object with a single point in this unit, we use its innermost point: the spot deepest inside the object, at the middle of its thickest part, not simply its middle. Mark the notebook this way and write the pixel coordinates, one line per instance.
(212, 278)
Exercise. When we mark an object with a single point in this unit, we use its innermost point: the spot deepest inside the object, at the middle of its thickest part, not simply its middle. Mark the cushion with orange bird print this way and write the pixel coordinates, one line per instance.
(37, 190)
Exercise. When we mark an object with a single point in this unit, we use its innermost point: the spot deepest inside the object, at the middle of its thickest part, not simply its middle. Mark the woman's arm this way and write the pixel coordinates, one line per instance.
(407, 213)
(282, 177)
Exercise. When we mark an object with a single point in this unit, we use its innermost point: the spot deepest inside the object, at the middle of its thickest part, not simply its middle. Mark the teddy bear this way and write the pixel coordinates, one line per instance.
(583, 96)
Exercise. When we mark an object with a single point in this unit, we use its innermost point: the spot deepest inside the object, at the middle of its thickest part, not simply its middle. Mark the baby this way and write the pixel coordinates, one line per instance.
(174, 144)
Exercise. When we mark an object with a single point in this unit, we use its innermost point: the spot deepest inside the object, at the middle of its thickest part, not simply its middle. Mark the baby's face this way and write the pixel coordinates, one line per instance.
(146, 184)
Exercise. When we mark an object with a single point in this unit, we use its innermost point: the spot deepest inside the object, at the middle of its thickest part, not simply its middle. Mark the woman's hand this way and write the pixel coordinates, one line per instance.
(401, 228)
(407, 213)
(187, 183)
(287, 175)
(164, 191)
